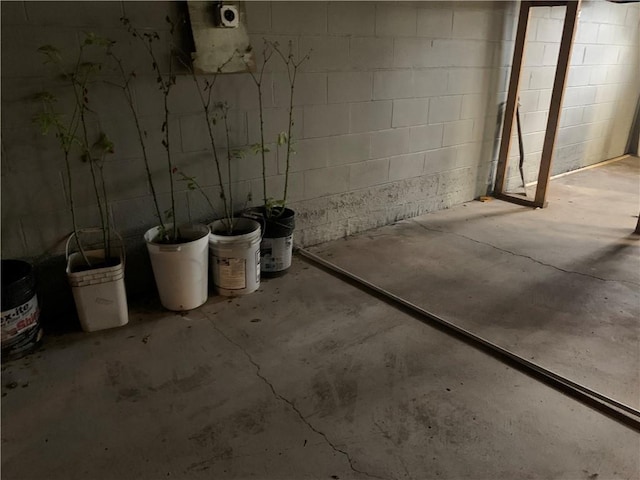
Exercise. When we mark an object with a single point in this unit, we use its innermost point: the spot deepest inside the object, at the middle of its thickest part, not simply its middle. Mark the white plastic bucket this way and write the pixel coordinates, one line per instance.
(235, 259)
(99, 293)
(180, 269)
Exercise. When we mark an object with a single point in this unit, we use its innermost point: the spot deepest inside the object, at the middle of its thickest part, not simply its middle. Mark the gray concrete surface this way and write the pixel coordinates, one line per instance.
(558, 285)
(312, 378)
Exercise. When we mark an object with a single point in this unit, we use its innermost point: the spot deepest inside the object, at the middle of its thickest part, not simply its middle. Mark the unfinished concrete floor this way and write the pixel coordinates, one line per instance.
(313, 378)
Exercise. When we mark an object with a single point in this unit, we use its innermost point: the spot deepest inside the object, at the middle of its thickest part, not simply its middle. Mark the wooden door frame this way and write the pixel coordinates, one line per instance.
(555, 108)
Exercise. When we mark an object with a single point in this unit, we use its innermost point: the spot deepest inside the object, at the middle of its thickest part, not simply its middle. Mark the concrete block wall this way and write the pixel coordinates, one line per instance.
(395, 112)
(602, 87)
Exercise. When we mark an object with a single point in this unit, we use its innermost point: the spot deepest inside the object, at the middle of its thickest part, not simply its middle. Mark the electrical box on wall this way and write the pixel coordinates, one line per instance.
(220, 37)
(226, 15)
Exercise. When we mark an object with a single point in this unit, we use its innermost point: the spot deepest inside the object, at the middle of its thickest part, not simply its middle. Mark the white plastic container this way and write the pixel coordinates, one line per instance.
(180, 269)
(235, 259)
(99, 293)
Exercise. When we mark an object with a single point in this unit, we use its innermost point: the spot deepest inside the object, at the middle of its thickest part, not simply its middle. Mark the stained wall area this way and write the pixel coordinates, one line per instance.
(396, 112)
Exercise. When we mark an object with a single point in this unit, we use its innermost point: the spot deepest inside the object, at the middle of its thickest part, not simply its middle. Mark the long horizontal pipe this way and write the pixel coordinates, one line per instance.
(619, 411)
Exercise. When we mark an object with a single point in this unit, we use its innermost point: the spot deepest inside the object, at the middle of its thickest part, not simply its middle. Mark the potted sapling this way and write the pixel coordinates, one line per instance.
(278, 220)
(234, 242)
(178, 251)
(95, 270)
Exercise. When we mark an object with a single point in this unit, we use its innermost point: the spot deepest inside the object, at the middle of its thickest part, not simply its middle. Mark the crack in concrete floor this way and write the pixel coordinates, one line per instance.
(292, 405)
(573, 272)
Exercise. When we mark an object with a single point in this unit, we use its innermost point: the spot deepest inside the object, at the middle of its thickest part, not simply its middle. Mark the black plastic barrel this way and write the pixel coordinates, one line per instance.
(277, 241)
(20, 326)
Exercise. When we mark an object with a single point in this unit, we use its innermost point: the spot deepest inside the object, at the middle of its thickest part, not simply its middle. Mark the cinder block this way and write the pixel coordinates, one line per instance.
(571, 135)
(26, 193)
(325, 120)
(249, 165)
(309, 89)
(627, 56)
(300, 18)
(371, 52)
(276, 120)
(386, 143)
(390, 84)
(633, 16)
(195, 135)
(149, 15)
(326, 181)
(309, 154)
(544, 99)
(239, 91)
(468, 80)
(135, 216)
(27, 150)
(93, 14)
(473, 106)
(328, 54)
(445, 109)
(600, 55)
(597, 112)
(13, 13)
(13, 244)
(440, 160)
(571, 116)
(430, 82)
(456, 133)
(125, 179)
(370, 116)
(425, 137)
(419, 53)
(352, 18)
(481, 24)
(406, 166)
(586, 32)
(603, 94)
(350, 87)
(366, 174)
(579, 75)
(541, 77)
(529, 100)
(533, 142)
(286, 42)
(49, 232)
(23, 56)
(395, 20)
(577, 96)
(549, 30)
(533, 54)
(534, 122)
(275, 188)
(434, 22)
(345, 149)
(258, 16)
(407, 112)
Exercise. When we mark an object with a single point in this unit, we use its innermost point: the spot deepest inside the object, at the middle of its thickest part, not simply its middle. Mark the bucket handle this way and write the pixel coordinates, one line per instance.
(123, 252)
(258, 218)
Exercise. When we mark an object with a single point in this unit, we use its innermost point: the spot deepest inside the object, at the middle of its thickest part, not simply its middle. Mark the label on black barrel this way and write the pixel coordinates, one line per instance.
(19, 319)
(276, 253)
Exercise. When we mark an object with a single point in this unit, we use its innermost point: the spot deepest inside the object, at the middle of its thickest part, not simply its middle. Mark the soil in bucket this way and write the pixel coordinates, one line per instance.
(20, 326)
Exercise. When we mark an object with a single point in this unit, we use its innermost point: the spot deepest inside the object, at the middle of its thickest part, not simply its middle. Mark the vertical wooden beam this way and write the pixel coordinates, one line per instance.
(570, 21)
(512, 96)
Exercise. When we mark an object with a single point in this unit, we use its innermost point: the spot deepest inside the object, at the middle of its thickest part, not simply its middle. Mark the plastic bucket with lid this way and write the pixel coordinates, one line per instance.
(20, 326)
